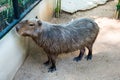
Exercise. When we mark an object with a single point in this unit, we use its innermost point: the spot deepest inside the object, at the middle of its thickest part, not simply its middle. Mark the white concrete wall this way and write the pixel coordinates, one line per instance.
(13, 48)
(12, 55)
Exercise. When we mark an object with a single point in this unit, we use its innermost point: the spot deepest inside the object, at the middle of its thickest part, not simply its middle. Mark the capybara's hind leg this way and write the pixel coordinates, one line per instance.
(53, 61)
(48, 61)
(78, 58)
(89, 56)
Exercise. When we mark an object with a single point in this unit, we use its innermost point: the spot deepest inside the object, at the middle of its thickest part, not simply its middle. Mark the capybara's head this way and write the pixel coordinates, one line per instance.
(28, 27)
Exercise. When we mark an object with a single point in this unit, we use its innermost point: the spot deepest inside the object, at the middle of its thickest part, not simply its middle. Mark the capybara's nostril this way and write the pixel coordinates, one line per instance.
(17, 28)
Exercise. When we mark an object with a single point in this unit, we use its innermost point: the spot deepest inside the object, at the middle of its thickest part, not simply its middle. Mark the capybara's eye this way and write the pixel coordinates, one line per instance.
(31, 24)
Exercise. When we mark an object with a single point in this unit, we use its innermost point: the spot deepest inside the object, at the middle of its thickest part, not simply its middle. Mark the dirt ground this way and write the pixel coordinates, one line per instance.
(105, 64)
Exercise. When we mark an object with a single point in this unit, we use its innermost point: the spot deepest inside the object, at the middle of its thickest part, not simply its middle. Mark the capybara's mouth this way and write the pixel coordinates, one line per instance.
(22, 33)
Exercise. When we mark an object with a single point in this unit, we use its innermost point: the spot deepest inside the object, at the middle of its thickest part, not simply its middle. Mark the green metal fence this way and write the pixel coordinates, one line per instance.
(8, 11)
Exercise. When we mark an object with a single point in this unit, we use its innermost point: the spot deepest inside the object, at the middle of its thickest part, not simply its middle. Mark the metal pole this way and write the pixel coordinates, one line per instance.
(16, 9)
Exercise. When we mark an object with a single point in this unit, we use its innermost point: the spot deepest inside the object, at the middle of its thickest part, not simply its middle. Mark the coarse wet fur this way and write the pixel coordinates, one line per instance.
(61, 38)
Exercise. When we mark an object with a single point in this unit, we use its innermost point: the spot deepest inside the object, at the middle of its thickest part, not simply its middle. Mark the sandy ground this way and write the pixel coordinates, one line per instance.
(105, 64)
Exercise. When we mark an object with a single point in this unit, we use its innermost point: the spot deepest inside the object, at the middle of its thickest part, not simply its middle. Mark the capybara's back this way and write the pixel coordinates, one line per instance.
(70, 37)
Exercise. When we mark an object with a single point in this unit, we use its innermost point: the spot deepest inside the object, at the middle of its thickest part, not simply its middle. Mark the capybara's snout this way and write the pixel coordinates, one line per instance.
(18, 26)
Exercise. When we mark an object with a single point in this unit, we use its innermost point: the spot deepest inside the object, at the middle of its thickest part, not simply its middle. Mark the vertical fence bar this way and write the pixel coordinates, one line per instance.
(16, 9)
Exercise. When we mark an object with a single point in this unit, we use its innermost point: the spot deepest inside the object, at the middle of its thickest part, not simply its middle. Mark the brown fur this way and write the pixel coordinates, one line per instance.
(59, 38)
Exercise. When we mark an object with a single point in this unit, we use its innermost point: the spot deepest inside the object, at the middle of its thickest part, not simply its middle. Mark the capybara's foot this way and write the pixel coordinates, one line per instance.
(88, 57)
(46, 63)
(52, 69)
(77, 59)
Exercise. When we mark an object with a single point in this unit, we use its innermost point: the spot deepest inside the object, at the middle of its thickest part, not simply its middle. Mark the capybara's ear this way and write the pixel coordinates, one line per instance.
(39, 22)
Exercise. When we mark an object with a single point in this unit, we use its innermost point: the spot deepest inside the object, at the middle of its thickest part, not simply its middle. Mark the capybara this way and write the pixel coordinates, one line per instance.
(61, 38)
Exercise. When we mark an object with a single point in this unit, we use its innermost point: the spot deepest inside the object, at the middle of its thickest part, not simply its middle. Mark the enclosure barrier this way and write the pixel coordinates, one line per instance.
(19, 14)
(117, 13)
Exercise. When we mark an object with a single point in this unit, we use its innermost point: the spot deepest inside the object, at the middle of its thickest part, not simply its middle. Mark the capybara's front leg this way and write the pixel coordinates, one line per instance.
(53, 61)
